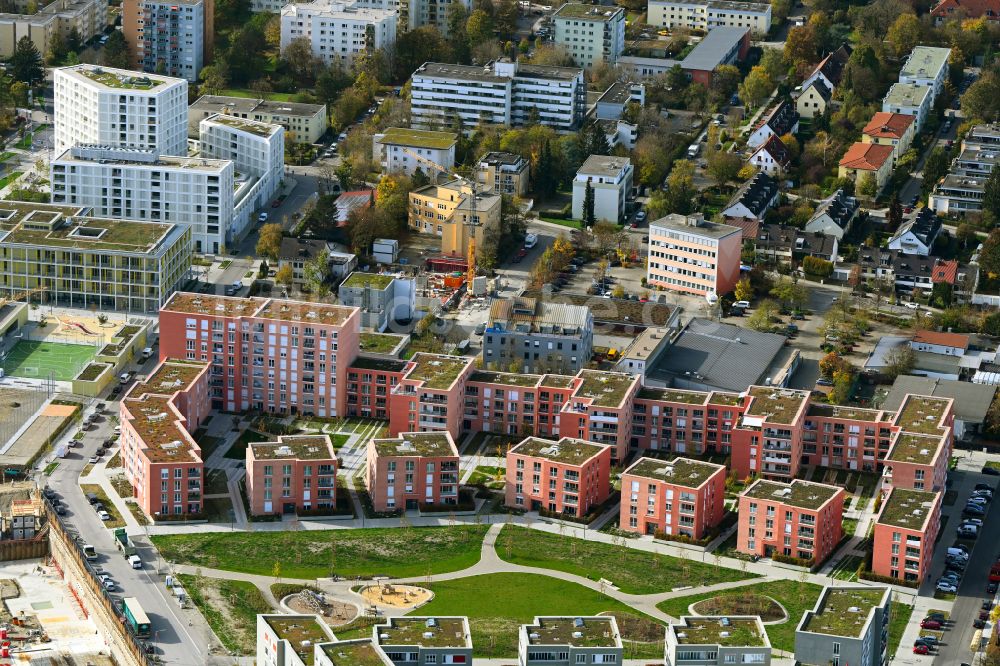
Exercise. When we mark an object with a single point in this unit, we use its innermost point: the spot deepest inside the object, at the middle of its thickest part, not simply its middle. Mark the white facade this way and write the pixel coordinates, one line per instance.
(611, 180)
(927, 66)
(256, 149)
(338, 31)
(139, 185)
(590, 33)
(401, 150)
(118, 108)
(910, 99)
(708, 14)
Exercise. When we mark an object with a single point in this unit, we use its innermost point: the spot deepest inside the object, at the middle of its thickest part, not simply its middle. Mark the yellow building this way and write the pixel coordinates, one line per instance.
(813, 100)
(446, 211)
(89, 17)
(890, 129)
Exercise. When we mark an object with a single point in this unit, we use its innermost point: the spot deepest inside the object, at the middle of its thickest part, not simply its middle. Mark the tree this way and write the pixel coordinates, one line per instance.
(991, 194)
(817, 267)
(680, 188)
(761, 318)
(297, 57)
(596, 141)
(990, 324)
(965, 233)
(802, 46)
(895, 216)
(982, 99)
(26, 62)
(789, 292)
(989, 257)
(285, 276)
(364, 225)
(867, 185)
(588, 205)
(843, 380)
(269, 241)
(456, 17)
(831, 363)
(57, 49)
(724, 167)
(744, 290)
(935, 167)
(905, 33)
(414, 48)
(479, 28)
(391, 195)
(316, 274)
(755, 87)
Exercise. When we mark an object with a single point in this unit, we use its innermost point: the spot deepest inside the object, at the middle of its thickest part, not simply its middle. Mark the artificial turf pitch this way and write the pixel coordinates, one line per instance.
(31, 358)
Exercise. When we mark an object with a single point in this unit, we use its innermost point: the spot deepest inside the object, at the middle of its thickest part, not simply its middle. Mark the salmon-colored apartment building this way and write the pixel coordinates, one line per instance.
(921, 446)
(513, 404)
(905, 532)
(570, 476)
(370, 381)
(682, 496)
(691, 255)
(414, 469)
(162, 462)
(429, 395)
(295, 473)
(800, 519)
(265, 354)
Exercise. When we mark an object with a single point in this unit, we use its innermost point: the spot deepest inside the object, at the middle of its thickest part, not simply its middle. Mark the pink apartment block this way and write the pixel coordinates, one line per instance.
(905, 531)
(799, 519)
(414, 469)
(295, 473)
(570, 476)
(680, 496)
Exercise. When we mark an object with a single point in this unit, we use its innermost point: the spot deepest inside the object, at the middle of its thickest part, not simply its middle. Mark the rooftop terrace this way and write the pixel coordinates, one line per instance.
(917, 449)
(97, 234)
(297, 629)
(589, 632)
(120, 79)
(14, 212)
(606, 389)
(295, 447)
(922, 414)
(674, 395)
(681, 471)
(507, 378)
(378, 364)
(908, 508)
(778, 405)
(172, 376)
(844, 611)
(427, 444)
(566, 450)
(438, 632)
(725, 631)
(437, 371)
(798, 493)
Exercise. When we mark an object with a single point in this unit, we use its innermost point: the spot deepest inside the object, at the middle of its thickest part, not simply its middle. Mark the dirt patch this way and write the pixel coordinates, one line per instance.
(59, 410)
(334, 613)
(395, 596)
(741, 604)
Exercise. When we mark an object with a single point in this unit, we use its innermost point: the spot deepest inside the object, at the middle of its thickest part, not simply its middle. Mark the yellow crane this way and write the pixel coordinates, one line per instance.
(471, 252)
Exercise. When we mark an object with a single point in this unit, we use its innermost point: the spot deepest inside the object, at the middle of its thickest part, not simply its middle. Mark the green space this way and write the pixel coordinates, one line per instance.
(377, 343)
(10, 178)
(31, 358)
(6, 155)
(230, 607)
(899, 617)
(487, 475)
(797, 597)
(338, 440)
(116, 518)
(573, 224)
(850, 526)
(847, 568)
(497, 604)
(252, 94)
(238, 450)
(137, 513)
(395, 552)
(122, 487)
(51, 467)
(632, 571)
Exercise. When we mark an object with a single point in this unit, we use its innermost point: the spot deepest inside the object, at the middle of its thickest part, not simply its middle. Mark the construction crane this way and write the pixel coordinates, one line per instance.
(22, 295)
(473, 222)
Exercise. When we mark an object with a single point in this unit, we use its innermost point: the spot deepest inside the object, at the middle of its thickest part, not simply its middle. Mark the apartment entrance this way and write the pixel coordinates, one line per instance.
(412, 505)
(288, 507)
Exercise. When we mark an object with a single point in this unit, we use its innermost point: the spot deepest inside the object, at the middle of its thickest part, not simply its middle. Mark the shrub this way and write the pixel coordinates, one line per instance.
(796, 561)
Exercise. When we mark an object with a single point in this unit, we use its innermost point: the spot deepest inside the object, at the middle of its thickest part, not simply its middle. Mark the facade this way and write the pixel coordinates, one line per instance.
(708, 14)
(834, 215)
(303, 123)
(610, 178)
(268, 355)
(849, 625)
(256, 149)
(89, 17)
(290, 640)
(176, 38)
(453, 97)
(712, 640)
(779, 120)
(337, 31)
(814, 99)
(922, 444)
(961, 9)
(381, 298)
(406, 150)
(83, 261)
(570, 477)
(872, 159)
(682, 496)
(788, 245)
(161, 459)
(295, 473)
(905, 533)
(890, 129)
(958, 194)
(800, 519)
(723, 45)
(591, 34)
(830, 69)
(447, 211)
(909, 99)
(772, 157)
(917, 234)
(410, 641)
(118, 108)
(503, 173)
(537, 336)
(414, 469)
(927, 66)
(694, 256)
(566, 641)
(940, 342)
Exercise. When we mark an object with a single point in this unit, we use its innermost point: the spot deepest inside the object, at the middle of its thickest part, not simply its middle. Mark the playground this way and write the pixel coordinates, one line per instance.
(35, 359)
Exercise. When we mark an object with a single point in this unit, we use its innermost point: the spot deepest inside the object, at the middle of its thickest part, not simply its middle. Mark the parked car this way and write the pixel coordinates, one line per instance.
(742, 304)
(990, 471)
(978, 623)
(929, 639)
(974, 509)
(992, 587)
(935, 616)
(94, 460)
(109, 585)
(104, 515)
(921, 649)
(823, 381)
(988, 494)
(942, 586)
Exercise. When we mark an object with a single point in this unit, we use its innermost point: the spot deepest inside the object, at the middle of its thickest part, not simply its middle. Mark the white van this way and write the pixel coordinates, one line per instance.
(147, 353)
(135, 561)
(693, 150)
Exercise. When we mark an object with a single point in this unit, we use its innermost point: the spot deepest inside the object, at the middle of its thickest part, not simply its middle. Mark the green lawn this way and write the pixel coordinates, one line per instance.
(338, 440)
(31, 358)
(10, 178)
(573, 224)
(230, 607)
(497, 604)
(238, 451)
(487, 475)
(899, 617)
(797, 597)
(633, 571)
(273, 96)
(847, 568)
(392, 552)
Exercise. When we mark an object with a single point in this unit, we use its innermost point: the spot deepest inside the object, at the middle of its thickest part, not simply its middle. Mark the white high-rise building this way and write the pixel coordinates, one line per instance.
(119, 109)
(338, 31)
(590, 33)
(257, 149)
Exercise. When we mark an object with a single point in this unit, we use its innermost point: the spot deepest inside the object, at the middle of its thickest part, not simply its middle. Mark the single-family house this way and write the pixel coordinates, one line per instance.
(779, 120)
(814, 99)
(771, 157)
(917, 234)
(830, 69)
(750, 204)
(961, 9)
(834, 215)
(788, 245)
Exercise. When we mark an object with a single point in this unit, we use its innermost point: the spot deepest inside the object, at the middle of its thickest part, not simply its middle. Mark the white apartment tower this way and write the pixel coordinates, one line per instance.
(590, 33)
(256, 149)
(338, 31)
(119, 109)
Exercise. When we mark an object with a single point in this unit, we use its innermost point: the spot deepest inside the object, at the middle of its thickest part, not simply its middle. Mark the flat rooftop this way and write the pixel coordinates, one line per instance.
(842, 412)
(567, 450)
(418, 138)
(594, 632)
(777, 405)
(908, 508)
(120, 79)
(922, 414)
(798, 493)
(297, 630)
(378, 364)
(437, 371)
(295, 447)
(917, 449)
(925, 61)
(605, 389)
(358, 280)
(674, 395)
(442, 70)
(723, 398)
(504, 378)
(307, 313)
(354, 653)
(207, 304)
(694, 225)
(12, 213)
(577, 11)
(154, 420)
(680, 471)
(426, 444)
(430, 632)
(558, 381)
(725, 631)
(844, 611)
(254, 127)
(907, 94)
(603, 165)
(172, 376)
(379, 343)
(136, 156)
(42, 229)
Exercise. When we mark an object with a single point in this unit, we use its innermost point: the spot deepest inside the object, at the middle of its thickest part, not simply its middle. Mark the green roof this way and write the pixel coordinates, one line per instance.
(917, 449)
(427, 444)
(507, 378)
(298, 628)
(85, 233)
(842, 412)
(358, 280)
(436, 371)
(798, 493)
(844, 611)
(673, 395)
(921, 414)
(418, 138)
(680, 471)
(353, 653)
(115, 79)
(593, 631)
(428, 632)
(292, 447)
(381, 364)
(722, 398)
(566, 450)
(777, 405)
(558, 381)
(606, 389)
(908, 509)
(725, 631)
(172, 376)
(379, 343)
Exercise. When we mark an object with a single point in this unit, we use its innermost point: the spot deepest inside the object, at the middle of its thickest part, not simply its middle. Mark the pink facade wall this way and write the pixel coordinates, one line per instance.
(653, 505)
(588, 483)
(906, 553)
(683, 427)
(311, 484)
(369, 392)
(811, 534)
(434, 480)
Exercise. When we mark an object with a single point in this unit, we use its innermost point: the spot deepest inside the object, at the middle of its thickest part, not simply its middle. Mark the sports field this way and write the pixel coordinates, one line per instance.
(30, 358)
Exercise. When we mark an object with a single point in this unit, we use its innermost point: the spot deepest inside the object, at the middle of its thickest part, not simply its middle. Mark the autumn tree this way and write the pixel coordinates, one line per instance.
(831, 363)
(756, 86)
(744, 290)
(989, 256)
(905, 33)
(285, 275)
(762, 317)
(269, 241)
(724, 167)
(790, 293)
(802, 45)
(867, 185)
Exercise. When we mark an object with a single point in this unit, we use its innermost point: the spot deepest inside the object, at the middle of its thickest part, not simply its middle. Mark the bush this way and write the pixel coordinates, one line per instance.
(876, 578)
(797, 561)
(817, 267)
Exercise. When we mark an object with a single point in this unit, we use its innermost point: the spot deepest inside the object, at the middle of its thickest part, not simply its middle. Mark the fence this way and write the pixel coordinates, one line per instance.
(24, 549)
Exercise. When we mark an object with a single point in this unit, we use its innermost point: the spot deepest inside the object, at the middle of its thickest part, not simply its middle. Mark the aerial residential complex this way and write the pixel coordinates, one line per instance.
(590, 33)
(800, 519)
(415, 469)
(303, 123)
(120, 109)
(338, 31)
(296, 473)
(569, 476)
(681, 496)
(849, 625)
(610, 179)
(717, 640)
(566, 641)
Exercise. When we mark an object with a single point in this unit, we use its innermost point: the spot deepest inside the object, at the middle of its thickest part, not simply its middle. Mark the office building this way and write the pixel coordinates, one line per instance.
(277, 356)
(412, 470)
(905, 533)
(566, 641)
(535, 336)
(461, 97)
(849, 625)
(926, 66)
(590, 33)
(713, 640)
(503, 173)
(89, 17)
(83, 261)
(453, 212)
(708, 14)
(406, 150)
(692, 255)
(303, 123)
(338, 31)
(682, 496)
(610, 178)
(295, 473)
(119, 109)
(570, 477)
(175, 38)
